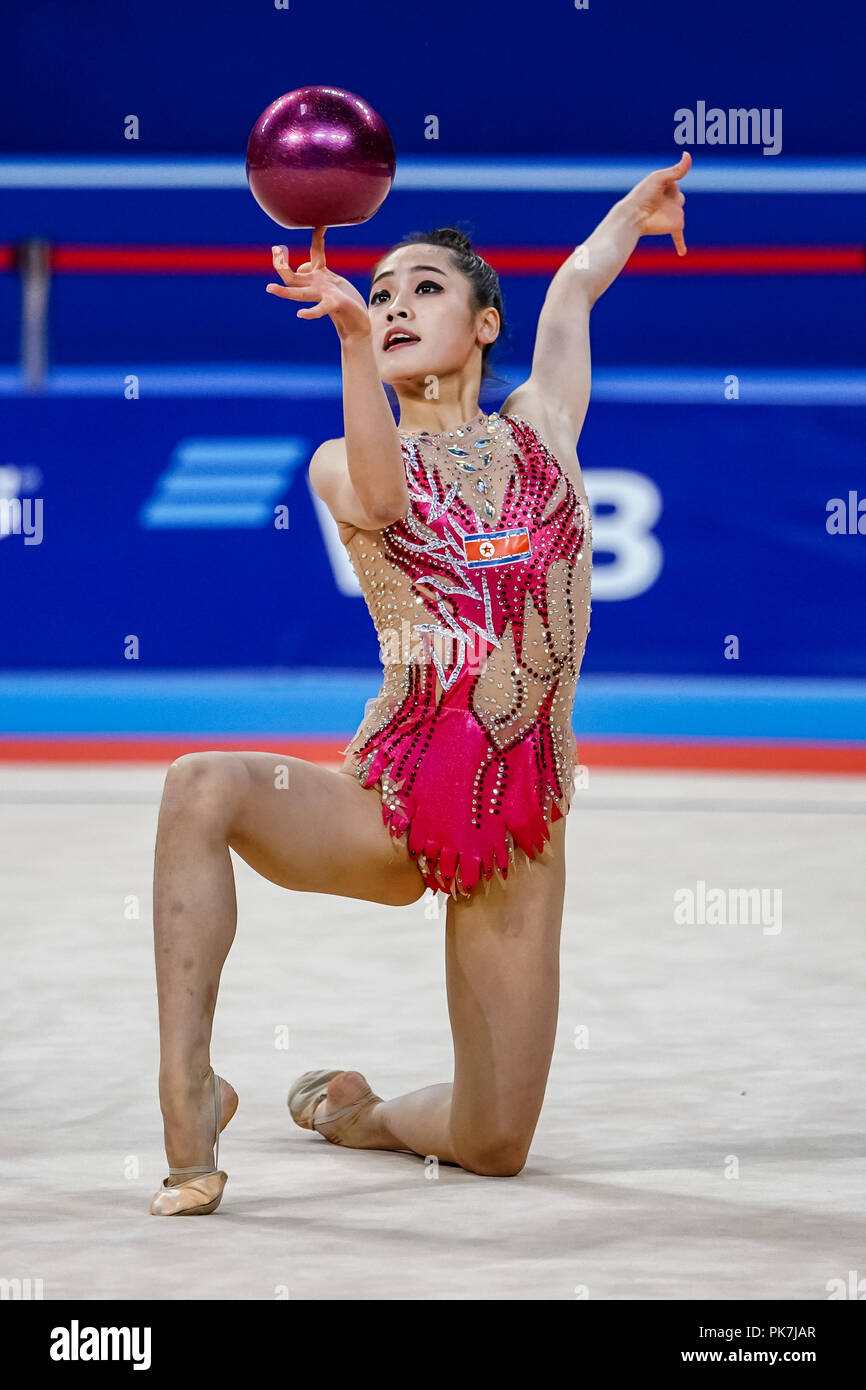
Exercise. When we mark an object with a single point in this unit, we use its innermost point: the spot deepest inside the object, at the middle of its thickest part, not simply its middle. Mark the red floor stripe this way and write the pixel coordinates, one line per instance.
(509, 260)
(828, 758)
(161, 748)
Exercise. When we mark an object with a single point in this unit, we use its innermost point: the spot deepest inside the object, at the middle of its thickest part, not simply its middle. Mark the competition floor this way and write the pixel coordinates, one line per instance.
(703, 1139)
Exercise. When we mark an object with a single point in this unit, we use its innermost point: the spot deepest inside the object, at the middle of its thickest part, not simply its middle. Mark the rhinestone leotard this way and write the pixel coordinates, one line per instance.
(480, 597)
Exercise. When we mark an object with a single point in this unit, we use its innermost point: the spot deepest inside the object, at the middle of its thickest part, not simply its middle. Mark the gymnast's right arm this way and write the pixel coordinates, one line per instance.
(362, 482)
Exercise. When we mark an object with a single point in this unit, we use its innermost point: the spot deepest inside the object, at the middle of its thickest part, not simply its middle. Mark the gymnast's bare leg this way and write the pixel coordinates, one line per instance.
(323, 832)
(502, 964)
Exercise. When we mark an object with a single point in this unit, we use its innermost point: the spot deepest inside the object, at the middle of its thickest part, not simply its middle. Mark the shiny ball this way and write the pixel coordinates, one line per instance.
(320, 157)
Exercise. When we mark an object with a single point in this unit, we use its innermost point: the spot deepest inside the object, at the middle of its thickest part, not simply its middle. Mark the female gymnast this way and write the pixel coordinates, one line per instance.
(470, 536)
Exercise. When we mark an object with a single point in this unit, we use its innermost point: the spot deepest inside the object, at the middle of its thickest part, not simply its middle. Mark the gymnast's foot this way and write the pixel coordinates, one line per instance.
(359, 1124)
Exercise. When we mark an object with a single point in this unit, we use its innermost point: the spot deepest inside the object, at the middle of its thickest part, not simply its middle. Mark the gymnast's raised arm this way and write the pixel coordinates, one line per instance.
(361, 481)
(559, 383)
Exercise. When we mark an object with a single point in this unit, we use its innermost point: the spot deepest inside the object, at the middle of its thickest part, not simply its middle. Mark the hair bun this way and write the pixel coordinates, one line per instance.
(453, 236)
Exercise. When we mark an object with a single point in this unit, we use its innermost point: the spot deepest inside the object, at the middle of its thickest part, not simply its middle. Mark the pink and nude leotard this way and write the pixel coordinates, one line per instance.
(480, 595)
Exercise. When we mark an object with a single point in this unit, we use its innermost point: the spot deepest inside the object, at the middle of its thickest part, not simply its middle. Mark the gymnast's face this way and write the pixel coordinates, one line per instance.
(417, 291)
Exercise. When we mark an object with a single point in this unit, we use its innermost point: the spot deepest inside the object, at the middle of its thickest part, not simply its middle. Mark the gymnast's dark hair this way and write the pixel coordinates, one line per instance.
(482, 278)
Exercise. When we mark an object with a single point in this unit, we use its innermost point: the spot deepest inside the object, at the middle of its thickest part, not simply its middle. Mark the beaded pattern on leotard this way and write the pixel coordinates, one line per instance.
(470, 740)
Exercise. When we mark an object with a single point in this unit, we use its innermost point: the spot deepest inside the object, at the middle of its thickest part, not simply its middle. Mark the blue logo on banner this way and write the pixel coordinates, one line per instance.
(223, 481)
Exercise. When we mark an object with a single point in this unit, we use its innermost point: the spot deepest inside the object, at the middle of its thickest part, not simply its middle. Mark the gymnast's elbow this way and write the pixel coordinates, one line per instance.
(385, 510)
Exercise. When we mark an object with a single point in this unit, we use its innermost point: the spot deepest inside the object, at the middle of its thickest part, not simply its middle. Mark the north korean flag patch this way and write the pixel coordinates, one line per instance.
(487, 548)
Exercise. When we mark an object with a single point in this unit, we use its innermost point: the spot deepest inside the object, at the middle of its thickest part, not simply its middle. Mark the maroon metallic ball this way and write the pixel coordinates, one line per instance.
(320, 157)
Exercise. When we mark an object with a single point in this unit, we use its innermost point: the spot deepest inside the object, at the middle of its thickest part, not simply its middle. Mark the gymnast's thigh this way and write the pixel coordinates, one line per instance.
(317, 830)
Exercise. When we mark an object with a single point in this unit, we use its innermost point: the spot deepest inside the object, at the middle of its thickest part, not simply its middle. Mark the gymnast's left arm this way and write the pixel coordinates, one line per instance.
(560, 376)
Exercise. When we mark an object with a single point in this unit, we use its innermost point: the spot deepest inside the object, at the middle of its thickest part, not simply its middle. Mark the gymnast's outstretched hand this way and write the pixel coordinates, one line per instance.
(660, 199)
(336, 296)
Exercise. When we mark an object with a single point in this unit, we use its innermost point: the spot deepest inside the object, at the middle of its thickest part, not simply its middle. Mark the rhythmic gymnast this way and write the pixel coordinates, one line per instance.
(470, 536)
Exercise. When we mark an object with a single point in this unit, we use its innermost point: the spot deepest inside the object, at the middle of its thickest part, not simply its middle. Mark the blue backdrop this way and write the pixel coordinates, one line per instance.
(158, 512)
(158, 522)
(502, 77)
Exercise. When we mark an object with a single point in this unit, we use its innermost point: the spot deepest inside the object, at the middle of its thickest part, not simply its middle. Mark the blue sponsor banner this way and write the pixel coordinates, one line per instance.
(181, 533)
